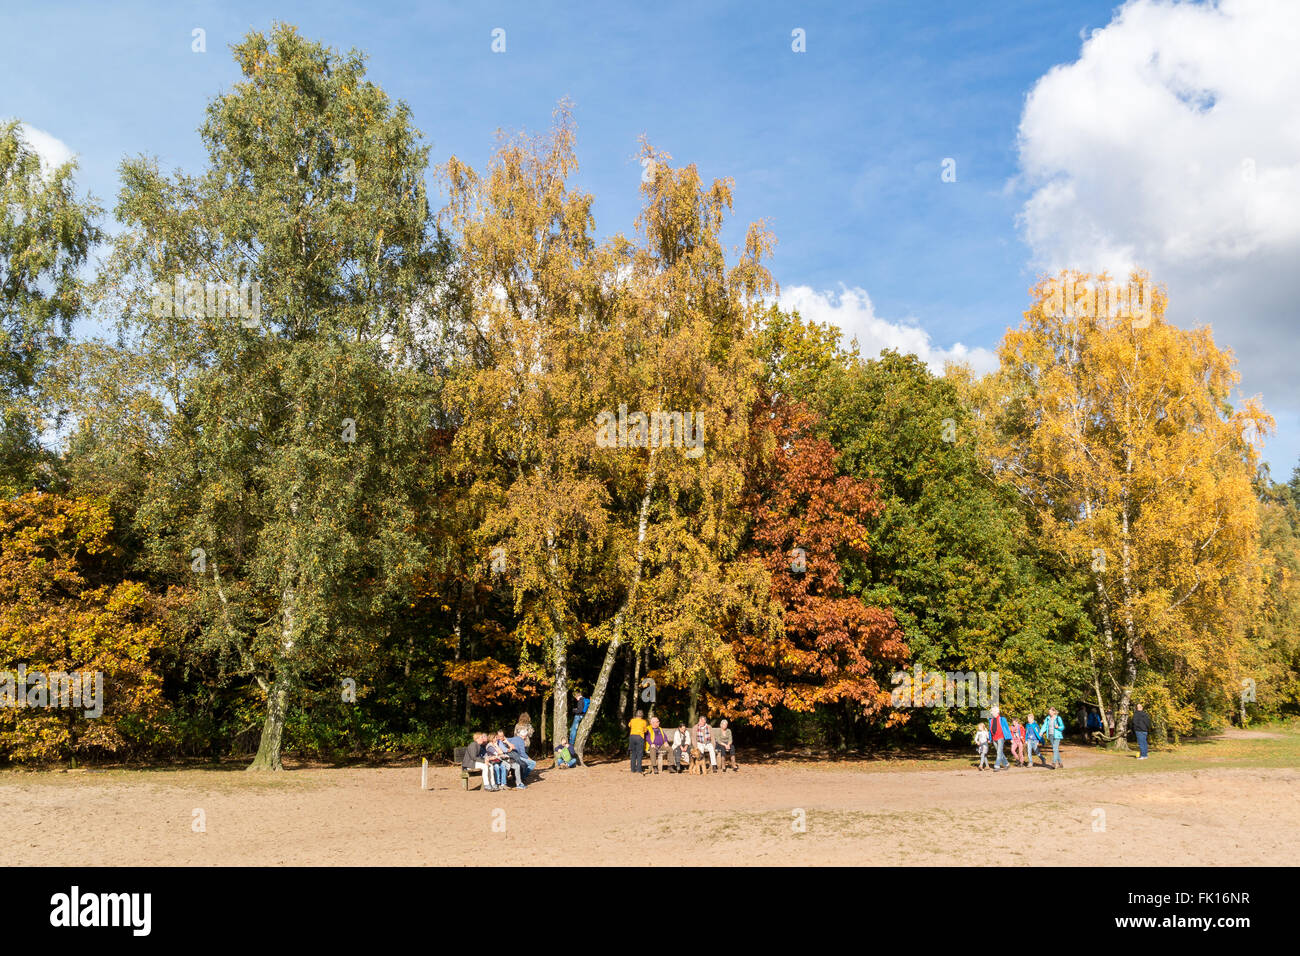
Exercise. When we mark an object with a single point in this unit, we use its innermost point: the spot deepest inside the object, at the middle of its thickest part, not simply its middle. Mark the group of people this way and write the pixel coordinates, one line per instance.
(1026, 740)
(497, 756)
(648, 738)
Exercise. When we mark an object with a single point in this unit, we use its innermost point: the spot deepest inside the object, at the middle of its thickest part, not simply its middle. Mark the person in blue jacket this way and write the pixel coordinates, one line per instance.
(1053, 731)
(999, 733)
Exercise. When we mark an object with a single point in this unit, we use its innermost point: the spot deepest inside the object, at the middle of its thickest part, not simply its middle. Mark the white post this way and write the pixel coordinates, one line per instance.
(424, 773)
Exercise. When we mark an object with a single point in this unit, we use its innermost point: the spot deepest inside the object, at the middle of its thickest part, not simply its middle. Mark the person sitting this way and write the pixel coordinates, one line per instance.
(726, 747)
(475, 758)
(657, 740)
(704, 743)
(565, 757)
(514, 759)
(519, 750)
(681, 748)
(498, 756)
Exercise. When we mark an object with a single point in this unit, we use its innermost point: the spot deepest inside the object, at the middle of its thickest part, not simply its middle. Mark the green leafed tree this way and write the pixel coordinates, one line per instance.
(276, 313)
(46, 234)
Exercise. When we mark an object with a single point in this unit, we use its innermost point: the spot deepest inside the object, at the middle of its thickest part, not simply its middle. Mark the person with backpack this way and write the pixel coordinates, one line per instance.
(1141, 727)
(1053, 731)
(999, 733)
(1033, 742)
(580, 705)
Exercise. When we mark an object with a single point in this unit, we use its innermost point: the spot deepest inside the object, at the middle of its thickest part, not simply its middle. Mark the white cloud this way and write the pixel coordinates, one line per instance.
(52, 150)
(1173, 143)
(851, 310)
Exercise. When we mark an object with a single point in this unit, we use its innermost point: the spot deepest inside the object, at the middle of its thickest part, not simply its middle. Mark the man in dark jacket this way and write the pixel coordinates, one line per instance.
(1141, 727)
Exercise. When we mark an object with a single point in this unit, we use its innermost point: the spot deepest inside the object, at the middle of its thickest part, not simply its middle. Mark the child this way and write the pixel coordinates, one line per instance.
(1033, 740)
(1017, 742)
(511, 758)
(497, 761)
(565, 757)
(982, 745)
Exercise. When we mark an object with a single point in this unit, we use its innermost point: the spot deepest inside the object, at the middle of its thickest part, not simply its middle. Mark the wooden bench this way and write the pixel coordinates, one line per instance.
(650, 758)
(458, 755)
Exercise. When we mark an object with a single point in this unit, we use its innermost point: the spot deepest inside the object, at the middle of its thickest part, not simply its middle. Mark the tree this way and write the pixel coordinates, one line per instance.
(829, 647)
(66, 610)
(278, 310)
(46, 234)
(1120, 434)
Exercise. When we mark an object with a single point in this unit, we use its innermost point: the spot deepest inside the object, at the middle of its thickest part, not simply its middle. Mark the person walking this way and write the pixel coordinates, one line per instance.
(999, 733)
(982, 745)
(1033, 741)
(1053, 731)
(636, 731)
(1141, 727)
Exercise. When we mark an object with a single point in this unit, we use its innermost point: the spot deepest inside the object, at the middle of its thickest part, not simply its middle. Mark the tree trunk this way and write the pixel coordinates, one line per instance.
(616, 638)
(560, 715)
(268, 749)
(692, 712)
(625, 691)
(277, 695)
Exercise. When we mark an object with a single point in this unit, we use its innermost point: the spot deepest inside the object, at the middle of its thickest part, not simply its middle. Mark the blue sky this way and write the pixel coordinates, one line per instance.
(839, 148)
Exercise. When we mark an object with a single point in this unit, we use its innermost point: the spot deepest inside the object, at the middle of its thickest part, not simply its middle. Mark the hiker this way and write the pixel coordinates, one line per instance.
(681, 748)
(999, 733)
(657, 740)
(1017, 741)
(636, 728)
(580, 705)
(982, 745)
(476, 759)
(1053, 731)
(1081, 718)
(1033, 742)
(704, 741)
(1094, 721)
(726, 747)
(1141, 727)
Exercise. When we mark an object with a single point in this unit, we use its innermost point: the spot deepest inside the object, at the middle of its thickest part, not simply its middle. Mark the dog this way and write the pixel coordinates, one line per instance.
(697, 762)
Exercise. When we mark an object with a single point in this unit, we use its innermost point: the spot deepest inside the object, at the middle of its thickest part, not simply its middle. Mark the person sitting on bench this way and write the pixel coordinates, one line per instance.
(681, 748)
(475, 758)
(658, 743)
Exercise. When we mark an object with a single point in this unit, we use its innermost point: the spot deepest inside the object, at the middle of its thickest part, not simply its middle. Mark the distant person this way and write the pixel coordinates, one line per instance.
(999, 733)
(1094, 721)
(982, 745)
(704, 742)
(726, 745)
(565, 756)
(524, 729)
(636, 731)
(681, 748)
(475, 758)
(580, 706)
(1033, 741)
(1053, 731)
(1017, 742)
(659, 743)
(1081, 718)
(1141, 727)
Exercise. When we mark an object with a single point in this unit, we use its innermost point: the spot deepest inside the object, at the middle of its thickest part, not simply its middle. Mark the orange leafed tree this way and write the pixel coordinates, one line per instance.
(831, 647)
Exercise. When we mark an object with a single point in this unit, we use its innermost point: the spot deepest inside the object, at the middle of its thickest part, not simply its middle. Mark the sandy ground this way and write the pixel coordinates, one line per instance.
(852, 814)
